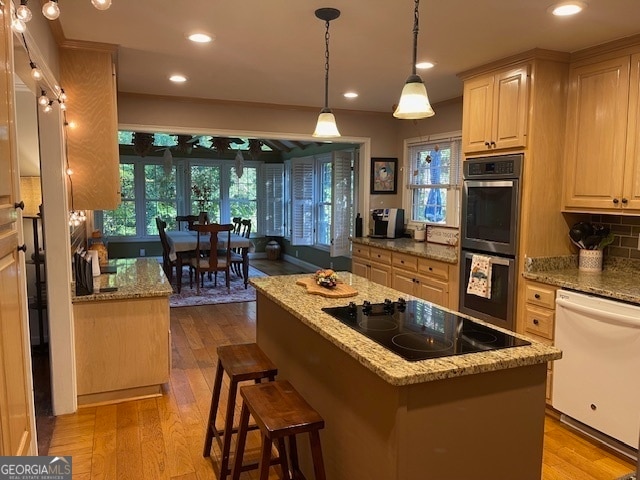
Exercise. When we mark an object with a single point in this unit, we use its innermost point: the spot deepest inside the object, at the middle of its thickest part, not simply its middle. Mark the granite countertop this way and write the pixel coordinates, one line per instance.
(619, 279)
(393, 369)
(135, 278)
(433, 251)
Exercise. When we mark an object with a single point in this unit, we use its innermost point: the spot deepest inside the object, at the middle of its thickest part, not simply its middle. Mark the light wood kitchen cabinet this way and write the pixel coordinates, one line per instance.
(87, 74)
(420, 277)
(495, 106)
(372, 263)
(538, 319)
(602, 166)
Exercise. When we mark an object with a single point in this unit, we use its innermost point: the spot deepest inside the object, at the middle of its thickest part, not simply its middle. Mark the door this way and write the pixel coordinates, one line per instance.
(16, 415)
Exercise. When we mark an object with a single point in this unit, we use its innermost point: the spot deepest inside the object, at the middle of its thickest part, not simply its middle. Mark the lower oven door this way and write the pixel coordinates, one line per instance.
(499, 309)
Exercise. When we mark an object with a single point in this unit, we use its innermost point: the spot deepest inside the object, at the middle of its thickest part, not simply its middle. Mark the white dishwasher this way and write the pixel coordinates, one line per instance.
(597, 380)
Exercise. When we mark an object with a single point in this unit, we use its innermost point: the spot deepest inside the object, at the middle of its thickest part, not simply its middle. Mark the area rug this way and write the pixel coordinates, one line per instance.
(188, 297)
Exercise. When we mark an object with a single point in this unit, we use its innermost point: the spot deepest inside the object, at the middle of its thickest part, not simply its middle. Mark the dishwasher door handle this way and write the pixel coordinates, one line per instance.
(601, 315)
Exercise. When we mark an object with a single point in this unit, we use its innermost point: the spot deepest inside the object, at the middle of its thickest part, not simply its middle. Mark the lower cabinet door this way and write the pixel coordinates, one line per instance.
(433, 291)
(404, 282)
(359, 268)
(380, 274)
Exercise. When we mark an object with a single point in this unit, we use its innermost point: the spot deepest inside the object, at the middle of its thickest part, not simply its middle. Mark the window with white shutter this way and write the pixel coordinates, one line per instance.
(273, 199)
(302, 201)
(342, 203)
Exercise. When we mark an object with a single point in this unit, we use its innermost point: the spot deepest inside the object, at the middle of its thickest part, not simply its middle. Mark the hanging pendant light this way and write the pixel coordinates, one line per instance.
(51, 10)
(326, 126)
(23, 12)
(414, 102)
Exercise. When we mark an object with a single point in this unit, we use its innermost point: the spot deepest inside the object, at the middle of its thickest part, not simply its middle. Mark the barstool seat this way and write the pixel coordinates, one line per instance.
(241, 362)
(280, 413)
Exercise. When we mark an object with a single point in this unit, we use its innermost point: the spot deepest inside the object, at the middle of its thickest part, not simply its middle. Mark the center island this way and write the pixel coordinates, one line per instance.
(471, 416)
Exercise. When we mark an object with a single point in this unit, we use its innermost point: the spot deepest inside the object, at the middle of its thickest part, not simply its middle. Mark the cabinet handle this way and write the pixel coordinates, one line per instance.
(493, 144)
(537, 296)
(615, 200)
(23, 247)
(486, 144)
(402, 262)
(624, 200)
(19, 205)
(431, 269)
(535, 321)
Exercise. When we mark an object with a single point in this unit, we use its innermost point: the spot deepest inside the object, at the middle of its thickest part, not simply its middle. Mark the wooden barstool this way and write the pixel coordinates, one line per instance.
(280, 412)
(240, 362)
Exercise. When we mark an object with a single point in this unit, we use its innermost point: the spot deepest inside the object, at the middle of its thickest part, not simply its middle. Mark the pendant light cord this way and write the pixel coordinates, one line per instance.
(415, 37)
(326, 66)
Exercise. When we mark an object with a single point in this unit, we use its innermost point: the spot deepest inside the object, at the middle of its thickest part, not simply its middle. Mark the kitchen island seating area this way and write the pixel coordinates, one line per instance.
(278, 409)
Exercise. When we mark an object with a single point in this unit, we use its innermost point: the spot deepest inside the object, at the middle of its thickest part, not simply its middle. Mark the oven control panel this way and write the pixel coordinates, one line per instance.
(502, 166)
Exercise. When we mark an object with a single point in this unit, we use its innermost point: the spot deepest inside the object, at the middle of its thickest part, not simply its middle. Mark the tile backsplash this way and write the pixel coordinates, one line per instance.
(626, 231)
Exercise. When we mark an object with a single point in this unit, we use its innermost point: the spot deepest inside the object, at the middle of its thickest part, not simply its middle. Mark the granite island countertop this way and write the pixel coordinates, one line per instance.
(434, 251)
(134, 278)
(390, 367)
(618, 280)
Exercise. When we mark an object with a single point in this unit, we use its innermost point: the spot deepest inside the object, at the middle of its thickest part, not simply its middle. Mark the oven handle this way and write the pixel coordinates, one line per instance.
(494, 260)
(491, 183)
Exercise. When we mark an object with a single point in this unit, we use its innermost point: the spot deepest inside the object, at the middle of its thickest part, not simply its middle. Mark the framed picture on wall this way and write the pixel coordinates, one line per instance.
(384, 175)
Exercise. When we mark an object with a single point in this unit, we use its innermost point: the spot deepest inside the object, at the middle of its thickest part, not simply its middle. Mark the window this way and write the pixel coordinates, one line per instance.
(320, 201)
(434, 180)
(151, 187)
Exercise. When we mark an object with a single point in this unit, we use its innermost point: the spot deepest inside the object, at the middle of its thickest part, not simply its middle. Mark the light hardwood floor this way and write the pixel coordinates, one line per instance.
(162, 438)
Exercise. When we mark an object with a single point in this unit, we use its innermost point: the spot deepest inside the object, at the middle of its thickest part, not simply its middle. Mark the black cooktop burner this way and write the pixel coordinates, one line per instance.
(418, 330)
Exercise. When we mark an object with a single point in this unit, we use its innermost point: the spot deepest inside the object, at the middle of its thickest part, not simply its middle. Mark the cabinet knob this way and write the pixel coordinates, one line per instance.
(487, 144)
(624, 200)
(537, 296)
(615, 200)
(402, 261)
(431, 269)
(19, 205)
(535, 321)
(23, 247)
(493, 144)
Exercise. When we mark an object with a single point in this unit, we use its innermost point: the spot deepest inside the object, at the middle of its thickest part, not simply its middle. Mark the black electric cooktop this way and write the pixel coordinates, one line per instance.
(418, 330)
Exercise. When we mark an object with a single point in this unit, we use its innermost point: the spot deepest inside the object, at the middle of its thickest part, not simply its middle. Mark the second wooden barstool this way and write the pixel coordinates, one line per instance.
(241, 363)
(280, 413)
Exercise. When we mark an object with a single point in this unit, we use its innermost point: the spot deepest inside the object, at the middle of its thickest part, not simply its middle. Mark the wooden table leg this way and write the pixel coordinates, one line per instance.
(245, 266)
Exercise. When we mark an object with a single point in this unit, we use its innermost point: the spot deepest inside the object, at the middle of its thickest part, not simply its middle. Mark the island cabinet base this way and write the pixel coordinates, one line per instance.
(487, 426)
(123, 348)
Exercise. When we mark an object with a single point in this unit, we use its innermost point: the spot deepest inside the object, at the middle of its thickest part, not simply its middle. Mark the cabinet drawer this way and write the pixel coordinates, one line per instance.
(360, 251)
(379, 255)
(407, 262)
(544, 297)
(433, 268)
(539, 322)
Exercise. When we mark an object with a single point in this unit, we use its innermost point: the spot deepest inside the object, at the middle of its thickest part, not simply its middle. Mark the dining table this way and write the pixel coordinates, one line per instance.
(182, 244)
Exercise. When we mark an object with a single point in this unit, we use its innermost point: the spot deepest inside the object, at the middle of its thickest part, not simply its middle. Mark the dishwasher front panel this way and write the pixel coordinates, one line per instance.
(597, 380)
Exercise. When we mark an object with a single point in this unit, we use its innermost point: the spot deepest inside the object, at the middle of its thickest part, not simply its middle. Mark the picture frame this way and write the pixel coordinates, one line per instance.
(384, 176)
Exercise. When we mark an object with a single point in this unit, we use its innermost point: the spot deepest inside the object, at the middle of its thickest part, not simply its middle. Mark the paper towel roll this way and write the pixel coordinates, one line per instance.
(95, 265)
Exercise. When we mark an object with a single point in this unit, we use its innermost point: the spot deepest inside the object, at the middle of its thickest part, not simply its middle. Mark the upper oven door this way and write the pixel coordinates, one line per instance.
(490, 215)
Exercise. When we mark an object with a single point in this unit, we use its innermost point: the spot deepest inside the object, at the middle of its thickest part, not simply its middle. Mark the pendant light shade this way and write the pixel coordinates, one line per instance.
(414, 101)
(326, 126)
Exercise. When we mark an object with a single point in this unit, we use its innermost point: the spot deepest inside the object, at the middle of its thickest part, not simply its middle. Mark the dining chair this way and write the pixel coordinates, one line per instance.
(211, 258)
(186, 221)
(236, 253)
(237, 224)
(167, 264)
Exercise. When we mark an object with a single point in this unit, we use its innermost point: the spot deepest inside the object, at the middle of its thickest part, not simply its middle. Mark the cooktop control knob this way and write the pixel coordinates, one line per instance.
(402, 304)
(366, 307)
(352, 308)
(388, 305)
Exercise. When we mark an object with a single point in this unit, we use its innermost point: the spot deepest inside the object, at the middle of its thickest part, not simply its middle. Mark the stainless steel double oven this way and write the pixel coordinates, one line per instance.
(490, 216)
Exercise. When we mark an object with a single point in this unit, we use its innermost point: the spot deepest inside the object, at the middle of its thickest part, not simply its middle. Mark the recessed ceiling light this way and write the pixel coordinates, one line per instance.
(350, 95)
(178, 78)
(425, 65)
(200, 37)
(566, 9)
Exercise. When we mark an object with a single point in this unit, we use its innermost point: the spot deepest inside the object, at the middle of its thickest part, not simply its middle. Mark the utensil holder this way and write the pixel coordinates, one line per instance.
(590, 260)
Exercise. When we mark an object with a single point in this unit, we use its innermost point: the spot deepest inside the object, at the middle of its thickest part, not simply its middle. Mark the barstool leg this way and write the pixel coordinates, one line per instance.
(282, 454)
(316, 453)
(293, 456)
(228, 429)
(213, 411)
(241, 440)
(265, 458)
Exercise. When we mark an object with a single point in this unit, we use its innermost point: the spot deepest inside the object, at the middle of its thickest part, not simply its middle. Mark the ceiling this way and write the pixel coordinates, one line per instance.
(273, 51)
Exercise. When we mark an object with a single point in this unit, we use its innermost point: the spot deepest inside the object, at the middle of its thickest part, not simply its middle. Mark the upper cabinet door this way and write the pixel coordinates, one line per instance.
(92, 135)
(596, 135)
(631, 186)
(495, 109)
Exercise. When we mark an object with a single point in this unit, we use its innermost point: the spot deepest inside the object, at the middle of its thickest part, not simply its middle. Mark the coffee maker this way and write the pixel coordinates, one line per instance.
(387, 222)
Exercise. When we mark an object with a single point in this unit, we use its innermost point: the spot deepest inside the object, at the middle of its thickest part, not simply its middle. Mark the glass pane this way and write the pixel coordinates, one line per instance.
(121, 222)
(205, 191)
(243, 194)
(323, 232)
(432, 165)
(325, 183)
(429, 205)
(160, 195)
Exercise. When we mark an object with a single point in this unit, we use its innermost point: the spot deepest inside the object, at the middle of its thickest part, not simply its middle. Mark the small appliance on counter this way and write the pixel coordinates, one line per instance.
(387, 222)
